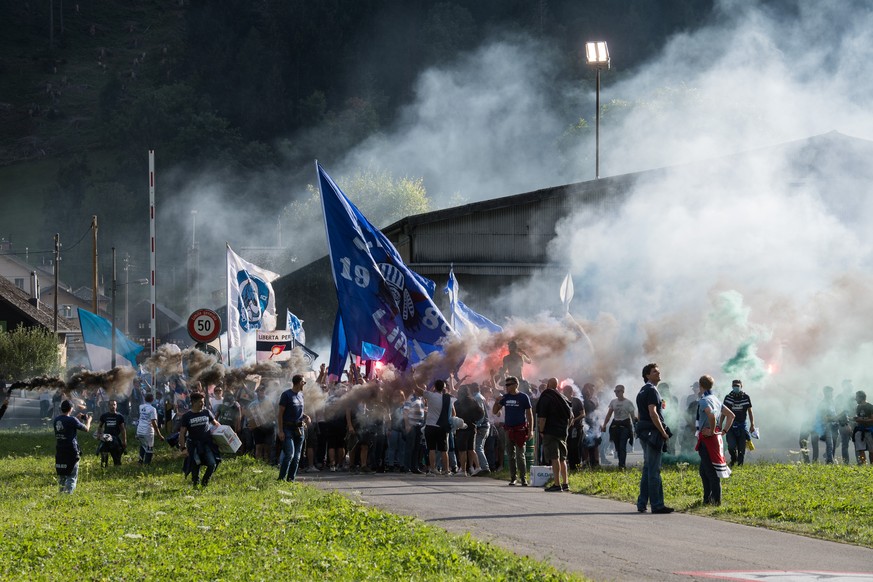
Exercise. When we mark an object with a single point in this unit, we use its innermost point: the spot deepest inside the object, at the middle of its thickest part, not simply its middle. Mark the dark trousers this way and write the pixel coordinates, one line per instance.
(619, 433)
(201, 455)
(711, 482)
(413, 449)
(736, 442)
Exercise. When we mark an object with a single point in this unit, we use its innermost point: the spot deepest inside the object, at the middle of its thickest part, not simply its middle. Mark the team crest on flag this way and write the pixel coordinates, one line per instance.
(254, 296)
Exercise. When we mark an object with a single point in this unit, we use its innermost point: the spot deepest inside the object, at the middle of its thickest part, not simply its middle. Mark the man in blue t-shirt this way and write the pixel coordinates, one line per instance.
(291, 422)
(67, 452)
(112, 434)
(518, 423)
(653, 435)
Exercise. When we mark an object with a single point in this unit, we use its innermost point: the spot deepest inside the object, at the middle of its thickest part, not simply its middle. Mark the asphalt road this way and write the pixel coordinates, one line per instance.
(603, 539)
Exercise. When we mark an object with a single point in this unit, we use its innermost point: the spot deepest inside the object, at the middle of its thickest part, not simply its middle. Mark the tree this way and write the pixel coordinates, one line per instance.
(377, 194)
(26, 352)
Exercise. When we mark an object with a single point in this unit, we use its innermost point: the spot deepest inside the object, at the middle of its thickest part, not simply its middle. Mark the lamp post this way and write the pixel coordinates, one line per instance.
(597, 56)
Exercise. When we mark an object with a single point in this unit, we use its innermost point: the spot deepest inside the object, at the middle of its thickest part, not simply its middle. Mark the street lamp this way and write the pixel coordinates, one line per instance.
(597, 56)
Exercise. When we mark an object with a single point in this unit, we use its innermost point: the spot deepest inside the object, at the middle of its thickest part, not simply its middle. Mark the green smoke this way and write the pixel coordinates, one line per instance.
(730, 319)
(745, 365)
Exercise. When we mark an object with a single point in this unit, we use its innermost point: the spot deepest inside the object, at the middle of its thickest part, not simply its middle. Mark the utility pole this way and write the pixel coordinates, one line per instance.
(94, 289)
(57, 275)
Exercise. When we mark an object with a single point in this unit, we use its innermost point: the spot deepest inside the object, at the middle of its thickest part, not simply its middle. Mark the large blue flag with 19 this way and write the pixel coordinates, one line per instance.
(382, 302)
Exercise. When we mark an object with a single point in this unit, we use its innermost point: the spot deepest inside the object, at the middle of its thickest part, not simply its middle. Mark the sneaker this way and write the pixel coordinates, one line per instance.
(565, 487)
(513, 482)
(523, 483)
(663, 509)
(366, 469)
(475, 472)
(333, 468)
(554, 488)
(483, 473)
(311, 469)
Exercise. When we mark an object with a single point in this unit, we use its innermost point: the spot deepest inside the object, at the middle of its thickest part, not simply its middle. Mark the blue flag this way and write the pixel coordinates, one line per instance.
(97, 336)
(381, 300)
(295, 326)
(339, 350)
(462, 316)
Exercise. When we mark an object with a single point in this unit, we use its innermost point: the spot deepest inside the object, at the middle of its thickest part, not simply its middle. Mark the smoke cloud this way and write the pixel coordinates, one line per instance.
(757, 266)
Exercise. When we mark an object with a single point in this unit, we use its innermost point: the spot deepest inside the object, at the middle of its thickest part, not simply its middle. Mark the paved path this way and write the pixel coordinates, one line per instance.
(603, 539)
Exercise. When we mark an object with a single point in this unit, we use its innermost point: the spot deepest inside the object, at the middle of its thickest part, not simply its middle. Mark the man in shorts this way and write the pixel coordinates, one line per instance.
(440, 409)
(553, 418)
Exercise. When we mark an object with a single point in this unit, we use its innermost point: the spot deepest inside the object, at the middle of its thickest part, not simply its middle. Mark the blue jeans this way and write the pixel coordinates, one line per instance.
(291, 449)
(67, 483)
(651, 487)
(396, 449)
(479, 445)
(201, 454)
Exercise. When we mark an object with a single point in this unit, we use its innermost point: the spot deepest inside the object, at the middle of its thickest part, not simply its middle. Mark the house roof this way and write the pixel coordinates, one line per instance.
(42, 315)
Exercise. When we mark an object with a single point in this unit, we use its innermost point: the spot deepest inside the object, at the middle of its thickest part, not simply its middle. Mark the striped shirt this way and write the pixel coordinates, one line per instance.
(739, 403)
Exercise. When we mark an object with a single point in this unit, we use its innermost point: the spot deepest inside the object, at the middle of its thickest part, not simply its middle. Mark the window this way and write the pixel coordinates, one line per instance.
(19, 282)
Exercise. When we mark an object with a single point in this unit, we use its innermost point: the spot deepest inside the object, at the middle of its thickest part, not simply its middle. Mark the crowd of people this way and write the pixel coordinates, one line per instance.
(448, 427)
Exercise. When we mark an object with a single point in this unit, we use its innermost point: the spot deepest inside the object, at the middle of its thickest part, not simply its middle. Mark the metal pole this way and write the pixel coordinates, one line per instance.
(57, 275)
(94, 293)
(153, 326)
(126, 292)
(597, 131)
(114, 288)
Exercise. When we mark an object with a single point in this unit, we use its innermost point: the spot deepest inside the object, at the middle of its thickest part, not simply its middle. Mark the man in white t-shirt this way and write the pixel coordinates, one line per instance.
(146, 428)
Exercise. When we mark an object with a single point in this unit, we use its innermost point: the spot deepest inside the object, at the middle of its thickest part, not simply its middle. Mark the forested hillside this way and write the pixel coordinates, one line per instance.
(240, 89)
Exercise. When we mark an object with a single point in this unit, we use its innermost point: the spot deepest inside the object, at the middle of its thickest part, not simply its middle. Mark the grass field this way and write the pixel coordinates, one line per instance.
(134, 523)
(833, 502)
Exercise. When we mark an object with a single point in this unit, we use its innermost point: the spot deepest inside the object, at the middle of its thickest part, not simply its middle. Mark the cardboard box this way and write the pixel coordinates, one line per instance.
(226, 439)
(540, 475)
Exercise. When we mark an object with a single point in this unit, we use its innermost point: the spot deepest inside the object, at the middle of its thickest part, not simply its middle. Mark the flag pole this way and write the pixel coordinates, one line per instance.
(227, 288)
(152, 297)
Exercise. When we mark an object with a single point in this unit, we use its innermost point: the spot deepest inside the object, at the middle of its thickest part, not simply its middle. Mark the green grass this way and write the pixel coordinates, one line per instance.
(832, 502)
(130, 523)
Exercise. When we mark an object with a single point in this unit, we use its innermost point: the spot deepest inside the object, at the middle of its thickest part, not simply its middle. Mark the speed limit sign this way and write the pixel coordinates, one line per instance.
(204, 325)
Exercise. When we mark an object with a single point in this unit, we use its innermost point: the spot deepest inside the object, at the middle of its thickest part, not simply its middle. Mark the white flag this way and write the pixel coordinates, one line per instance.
(251, 303)
(567, 292)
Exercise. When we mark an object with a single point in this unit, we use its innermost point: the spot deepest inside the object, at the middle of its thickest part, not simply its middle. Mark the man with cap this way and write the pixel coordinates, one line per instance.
(621, 430)
(518, 423)
(741, 405)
